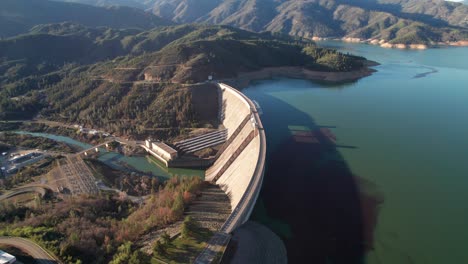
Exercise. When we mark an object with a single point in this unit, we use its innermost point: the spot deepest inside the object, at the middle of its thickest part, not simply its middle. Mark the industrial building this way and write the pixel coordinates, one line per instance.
(161, 151)
(23, 158)
(18, 162)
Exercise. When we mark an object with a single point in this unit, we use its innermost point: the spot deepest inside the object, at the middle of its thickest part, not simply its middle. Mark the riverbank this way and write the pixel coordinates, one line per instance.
(245, 78)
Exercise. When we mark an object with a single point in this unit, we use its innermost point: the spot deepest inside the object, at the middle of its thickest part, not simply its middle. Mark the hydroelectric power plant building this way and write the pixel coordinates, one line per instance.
(161, 151)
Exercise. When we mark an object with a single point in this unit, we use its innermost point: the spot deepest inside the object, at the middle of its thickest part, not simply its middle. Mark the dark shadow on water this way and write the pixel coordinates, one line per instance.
(337, 85)
(346, 146)
(309, 186)
(424, 74)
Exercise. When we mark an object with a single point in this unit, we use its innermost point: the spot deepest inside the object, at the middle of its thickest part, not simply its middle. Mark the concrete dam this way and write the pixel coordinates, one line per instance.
(240, 165)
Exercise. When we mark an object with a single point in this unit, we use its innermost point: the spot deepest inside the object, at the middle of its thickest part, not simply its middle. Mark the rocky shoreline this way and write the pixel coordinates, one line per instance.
(385, 44)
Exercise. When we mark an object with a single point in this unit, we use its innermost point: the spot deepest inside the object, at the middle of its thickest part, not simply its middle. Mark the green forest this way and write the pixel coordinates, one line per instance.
(127, 80)
(98, 229)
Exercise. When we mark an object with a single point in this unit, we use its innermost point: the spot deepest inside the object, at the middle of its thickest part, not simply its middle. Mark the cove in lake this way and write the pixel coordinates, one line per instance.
(146, 164)
(393, 187)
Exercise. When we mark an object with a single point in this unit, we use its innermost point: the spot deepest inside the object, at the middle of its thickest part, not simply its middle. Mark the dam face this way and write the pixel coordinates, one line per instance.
(239, 168)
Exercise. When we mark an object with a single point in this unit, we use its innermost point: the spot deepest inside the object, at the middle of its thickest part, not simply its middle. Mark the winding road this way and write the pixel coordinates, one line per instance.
(40, 255)
(40, 189)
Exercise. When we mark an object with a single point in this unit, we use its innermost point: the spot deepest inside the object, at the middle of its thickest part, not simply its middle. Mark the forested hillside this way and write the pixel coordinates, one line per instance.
(99, 229)
(138, 82)
(450, 12)
(18, 16)
(396, 21)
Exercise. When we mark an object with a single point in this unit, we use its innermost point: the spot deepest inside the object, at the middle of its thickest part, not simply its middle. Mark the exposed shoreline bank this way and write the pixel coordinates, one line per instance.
(243, 79)
(386, 44)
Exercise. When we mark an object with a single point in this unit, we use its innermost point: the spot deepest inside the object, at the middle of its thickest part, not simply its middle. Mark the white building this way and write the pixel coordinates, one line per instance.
(164, 150)
(148, 143)
(161, 151)
(6, 258)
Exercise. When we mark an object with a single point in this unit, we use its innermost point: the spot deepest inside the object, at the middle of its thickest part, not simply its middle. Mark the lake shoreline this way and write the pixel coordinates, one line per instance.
(244, 79)
(388, 45)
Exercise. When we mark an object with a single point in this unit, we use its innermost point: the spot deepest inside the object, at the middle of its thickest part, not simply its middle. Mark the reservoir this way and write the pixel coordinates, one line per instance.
(373, 171)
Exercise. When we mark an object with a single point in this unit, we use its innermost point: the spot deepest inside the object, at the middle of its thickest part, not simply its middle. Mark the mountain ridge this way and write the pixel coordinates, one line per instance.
(392, 21)
(18, 16)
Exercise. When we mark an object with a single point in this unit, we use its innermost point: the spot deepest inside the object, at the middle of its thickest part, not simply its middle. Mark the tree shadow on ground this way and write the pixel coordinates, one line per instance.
(309, 186)
(184, 249)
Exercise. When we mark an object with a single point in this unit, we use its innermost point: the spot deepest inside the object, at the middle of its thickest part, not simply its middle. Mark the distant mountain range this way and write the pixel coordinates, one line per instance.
(18, 16)
(131, 3)
(395, 21)
(392, 21)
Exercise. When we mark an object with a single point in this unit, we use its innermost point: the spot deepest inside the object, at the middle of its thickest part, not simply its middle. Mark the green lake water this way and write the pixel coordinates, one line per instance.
(404, 131)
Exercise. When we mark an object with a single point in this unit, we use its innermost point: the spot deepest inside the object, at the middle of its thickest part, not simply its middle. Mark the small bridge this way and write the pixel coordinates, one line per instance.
(120, 141)
(94, 147)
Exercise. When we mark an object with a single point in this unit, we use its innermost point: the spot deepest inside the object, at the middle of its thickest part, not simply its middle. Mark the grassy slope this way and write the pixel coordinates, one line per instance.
(184, 249)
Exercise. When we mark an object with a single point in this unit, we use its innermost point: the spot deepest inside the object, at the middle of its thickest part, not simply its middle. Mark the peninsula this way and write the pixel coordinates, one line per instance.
(144, 85)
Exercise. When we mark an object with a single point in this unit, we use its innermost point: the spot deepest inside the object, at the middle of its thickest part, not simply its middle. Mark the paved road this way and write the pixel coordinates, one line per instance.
(39, 254)
(41, 189)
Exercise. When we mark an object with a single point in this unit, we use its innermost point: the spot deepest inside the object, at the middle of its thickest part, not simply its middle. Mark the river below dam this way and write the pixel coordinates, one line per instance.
(373, 171)
(142, 163)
